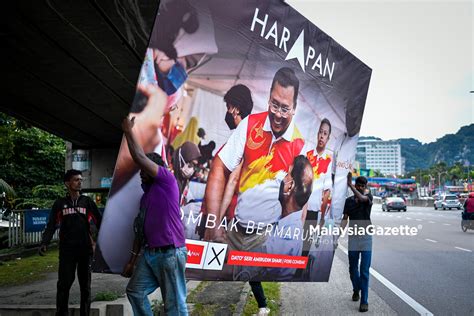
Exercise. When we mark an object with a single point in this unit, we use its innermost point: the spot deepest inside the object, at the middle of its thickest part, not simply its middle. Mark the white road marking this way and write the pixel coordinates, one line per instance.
(431, 222)
(399, 217)
(397, 291)
(463, 249)
(431, 240)
(446, 224)
(418, 219)
(408, 217)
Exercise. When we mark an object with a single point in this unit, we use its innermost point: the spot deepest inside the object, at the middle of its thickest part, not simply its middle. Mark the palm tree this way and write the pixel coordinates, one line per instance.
(6, 188)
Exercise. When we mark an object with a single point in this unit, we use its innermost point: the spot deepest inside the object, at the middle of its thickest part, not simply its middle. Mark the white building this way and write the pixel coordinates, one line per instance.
(384, 156)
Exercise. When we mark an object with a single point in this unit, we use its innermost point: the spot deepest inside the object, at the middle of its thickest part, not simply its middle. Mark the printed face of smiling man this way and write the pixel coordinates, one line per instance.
(281, 108)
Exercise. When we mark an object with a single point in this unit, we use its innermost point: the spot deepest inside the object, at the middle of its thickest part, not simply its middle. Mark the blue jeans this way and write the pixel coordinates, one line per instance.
(157, 268)
(360, 246)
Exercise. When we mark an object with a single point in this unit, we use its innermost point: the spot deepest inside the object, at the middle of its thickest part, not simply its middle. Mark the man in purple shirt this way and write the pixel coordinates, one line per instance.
(164, 258)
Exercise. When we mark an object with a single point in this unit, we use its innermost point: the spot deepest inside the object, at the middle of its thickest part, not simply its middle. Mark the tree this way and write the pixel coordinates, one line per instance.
(456, 173)
(42, 196)
(6, 188)
(377, 173)
(30, 156)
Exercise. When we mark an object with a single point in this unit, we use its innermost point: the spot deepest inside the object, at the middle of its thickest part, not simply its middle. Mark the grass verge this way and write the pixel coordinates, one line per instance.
(204, 309)
(272, 292)
(191, 298)
(106, 296)
(200, 309)
(27, 270)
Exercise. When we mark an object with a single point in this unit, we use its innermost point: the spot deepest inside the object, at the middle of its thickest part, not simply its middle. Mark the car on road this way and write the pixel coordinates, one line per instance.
(447, 201)
(394, 203)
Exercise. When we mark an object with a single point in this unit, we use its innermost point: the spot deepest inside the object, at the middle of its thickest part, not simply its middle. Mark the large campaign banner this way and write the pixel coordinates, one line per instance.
(260, 127)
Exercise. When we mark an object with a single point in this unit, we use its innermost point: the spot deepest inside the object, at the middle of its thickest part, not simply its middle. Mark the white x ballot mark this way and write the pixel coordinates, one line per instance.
(215, 256)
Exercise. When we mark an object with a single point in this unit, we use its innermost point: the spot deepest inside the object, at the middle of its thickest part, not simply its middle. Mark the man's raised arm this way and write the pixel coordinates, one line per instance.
(155, 100)
(137, 153)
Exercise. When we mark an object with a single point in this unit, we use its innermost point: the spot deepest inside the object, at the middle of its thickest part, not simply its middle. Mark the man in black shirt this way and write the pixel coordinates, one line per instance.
(73, 214)
(357, 209)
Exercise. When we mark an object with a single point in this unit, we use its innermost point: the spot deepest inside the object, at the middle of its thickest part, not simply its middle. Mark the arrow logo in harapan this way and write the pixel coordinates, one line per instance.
(297, 51)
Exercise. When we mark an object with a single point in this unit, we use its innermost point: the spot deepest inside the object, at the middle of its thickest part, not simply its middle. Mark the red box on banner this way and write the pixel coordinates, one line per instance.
(257, 259)
(195, 253)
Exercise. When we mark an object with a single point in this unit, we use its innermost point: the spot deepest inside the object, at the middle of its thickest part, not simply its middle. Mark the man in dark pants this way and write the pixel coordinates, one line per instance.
(357, 209)
(73, 215)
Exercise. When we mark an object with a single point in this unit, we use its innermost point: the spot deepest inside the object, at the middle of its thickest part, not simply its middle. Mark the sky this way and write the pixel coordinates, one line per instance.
(421, 55)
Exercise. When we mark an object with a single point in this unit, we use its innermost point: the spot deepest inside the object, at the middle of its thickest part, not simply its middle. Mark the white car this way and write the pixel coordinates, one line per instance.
(447, 201)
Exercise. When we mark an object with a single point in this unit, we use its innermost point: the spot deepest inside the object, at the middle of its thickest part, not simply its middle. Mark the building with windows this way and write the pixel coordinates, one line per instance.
(384, 156)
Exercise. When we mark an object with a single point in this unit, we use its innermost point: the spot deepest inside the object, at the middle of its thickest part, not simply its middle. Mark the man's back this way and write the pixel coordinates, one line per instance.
(163, 224)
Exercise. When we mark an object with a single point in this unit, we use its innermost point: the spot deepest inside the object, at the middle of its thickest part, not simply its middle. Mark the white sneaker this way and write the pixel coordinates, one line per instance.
(263, 311)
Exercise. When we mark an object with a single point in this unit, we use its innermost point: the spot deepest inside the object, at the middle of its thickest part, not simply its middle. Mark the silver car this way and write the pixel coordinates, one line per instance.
(448, 201)
(394, 203)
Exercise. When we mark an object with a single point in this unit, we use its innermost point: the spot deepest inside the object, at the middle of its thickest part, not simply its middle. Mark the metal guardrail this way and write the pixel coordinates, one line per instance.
(17, 236)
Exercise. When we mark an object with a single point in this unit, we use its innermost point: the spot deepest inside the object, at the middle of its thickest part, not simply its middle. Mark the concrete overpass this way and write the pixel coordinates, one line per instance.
(70, 68)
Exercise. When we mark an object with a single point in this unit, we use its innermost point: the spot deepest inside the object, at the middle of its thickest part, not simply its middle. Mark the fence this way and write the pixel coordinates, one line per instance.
(24, 229)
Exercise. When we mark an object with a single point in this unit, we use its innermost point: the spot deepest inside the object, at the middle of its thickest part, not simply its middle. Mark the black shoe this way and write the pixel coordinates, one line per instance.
(355, 296)
(364, 308)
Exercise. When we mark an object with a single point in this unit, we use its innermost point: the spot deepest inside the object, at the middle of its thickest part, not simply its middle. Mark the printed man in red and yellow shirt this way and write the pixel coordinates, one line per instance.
(266, 143)
(321, 162)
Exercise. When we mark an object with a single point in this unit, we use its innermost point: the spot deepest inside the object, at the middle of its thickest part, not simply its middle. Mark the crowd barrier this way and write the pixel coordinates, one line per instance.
(25, 227)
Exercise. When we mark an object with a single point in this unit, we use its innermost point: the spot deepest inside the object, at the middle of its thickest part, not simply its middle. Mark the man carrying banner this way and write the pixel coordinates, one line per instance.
(73, 214)
(164, 259)
(321, 161)
(357, 210)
